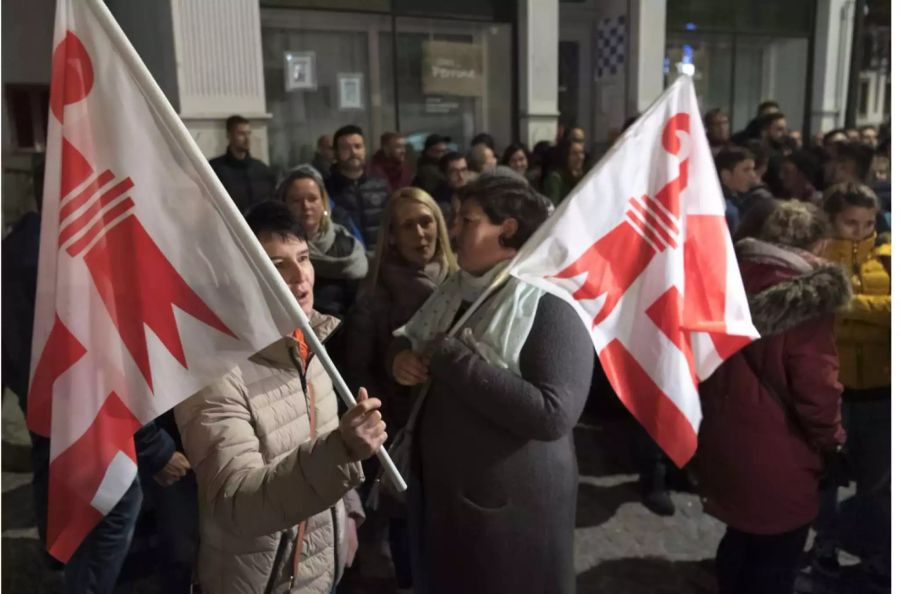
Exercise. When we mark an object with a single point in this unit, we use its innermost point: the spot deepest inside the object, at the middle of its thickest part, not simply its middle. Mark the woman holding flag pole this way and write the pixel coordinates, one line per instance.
(493, 471)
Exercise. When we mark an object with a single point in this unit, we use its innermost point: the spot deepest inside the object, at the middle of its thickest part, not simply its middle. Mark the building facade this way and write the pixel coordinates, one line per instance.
(299, 69)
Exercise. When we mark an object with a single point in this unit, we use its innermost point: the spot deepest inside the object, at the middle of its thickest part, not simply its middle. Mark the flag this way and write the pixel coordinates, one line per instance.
(149, 287)
(642, 252)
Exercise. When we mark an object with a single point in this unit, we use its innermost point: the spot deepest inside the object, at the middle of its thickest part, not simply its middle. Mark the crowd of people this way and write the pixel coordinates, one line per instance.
(263, 483)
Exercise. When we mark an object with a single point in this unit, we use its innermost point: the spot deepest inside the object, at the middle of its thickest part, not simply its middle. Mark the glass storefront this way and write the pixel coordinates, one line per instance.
(742, 53)
(417, 75)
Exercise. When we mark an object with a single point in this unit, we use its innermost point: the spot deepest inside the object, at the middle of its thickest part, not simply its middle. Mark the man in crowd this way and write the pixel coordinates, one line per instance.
(851, 163)
(428, 174)
(483, 138)
(247, 180)
(455, 171)
(736, 173)
(718, 129)
(324, 157)
(390, 163)
(361, 197)
(869, 135)
(773, 132)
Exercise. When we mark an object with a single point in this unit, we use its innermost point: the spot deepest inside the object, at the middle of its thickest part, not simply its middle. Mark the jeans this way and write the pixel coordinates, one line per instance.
(755, 563)
(95, 565)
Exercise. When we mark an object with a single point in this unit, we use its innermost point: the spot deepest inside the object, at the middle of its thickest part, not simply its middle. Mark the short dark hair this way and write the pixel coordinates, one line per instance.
(809, 164)
(512, 150)
(483, 138)
(506, 197)
(389, 137)
(444, 163)
(729, 157)
(712, 113)
(273, 217)
(767, 105)
(832, 133)
(860, 155)
(346, 131)
(768, 119)
(236, 120)
(841, 196)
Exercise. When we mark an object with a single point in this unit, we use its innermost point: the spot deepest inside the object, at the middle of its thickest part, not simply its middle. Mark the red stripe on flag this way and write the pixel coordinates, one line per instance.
(77, 472)
(653, 223)
(75, 169)
(666, 314)
(663, 215)
(670, 195)
(649, 404)
(706, 281)
(81, 221)
(95, 229)
(139, 287)
(648, 233)
(85, 195)
(61, 351)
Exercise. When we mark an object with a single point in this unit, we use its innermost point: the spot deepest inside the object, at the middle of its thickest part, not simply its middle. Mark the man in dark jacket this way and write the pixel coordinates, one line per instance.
(361, 198)
(247, 180)
(428, 172)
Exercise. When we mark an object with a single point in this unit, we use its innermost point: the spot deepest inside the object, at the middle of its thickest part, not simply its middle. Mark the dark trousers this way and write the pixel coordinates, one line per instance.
(754, 563)
(95, 565)
(177, 530)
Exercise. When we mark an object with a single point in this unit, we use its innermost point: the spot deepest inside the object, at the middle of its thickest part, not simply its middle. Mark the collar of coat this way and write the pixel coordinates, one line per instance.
(278, 354)
(817, 288)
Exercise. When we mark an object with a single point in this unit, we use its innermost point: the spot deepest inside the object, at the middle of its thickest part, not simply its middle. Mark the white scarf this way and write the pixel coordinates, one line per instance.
(497, 332)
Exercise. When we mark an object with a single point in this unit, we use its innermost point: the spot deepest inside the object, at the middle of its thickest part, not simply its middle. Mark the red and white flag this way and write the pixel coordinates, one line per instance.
(641, 250)
(149, 287)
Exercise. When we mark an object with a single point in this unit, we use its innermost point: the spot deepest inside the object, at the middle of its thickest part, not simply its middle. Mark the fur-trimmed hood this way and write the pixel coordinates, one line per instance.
(818, 287)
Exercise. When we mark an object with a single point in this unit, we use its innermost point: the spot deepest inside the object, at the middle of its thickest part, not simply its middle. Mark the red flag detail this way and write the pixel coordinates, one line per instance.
(85, 195)
(607, 273)
(666, 314)
(76, 474)
(72, 75)
(648, 403)
(705, 282)
(61, 351)
(139, 286)
(75, 169)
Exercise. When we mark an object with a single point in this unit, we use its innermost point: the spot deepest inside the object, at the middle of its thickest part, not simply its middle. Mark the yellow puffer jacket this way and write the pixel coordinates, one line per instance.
(863, 330)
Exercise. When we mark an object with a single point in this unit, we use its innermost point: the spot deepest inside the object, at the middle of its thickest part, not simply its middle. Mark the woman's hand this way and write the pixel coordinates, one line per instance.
(174, 470)
(361, 427)
(409, 369)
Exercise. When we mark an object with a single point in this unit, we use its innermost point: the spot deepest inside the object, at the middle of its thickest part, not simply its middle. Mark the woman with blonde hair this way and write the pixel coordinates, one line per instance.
(412, 258)
(338, 258)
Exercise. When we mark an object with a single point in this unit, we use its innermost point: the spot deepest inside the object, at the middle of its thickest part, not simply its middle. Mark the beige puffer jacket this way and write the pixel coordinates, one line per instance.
(259, 475)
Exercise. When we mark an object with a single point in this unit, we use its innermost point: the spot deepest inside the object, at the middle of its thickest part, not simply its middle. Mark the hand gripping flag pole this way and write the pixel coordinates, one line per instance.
(230, 213)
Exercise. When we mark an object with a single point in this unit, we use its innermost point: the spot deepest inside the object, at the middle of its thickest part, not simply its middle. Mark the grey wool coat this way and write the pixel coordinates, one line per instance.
(494, 475)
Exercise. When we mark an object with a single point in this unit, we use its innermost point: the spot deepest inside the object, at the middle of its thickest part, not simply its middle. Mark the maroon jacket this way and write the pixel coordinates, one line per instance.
(398, 174)
(758, 470)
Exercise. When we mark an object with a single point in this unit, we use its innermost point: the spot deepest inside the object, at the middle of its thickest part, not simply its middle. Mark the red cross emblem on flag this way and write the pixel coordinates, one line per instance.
(641, 250)
(145, 293)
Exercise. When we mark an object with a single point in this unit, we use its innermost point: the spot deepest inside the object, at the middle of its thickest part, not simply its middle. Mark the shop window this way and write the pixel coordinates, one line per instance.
(27, 109)
(863, 107)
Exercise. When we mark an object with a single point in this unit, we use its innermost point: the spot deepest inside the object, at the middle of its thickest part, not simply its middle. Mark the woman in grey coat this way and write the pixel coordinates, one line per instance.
(493, 478)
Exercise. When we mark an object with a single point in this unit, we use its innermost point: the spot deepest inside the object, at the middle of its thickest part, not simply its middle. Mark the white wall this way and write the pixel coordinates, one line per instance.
(831, 68)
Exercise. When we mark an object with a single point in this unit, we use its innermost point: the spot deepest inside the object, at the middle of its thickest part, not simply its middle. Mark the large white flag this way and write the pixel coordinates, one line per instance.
(641, 250)
(149, 287)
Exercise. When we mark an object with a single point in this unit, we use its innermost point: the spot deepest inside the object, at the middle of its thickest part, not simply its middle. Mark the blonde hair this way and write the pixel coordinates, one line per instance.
(442, 252)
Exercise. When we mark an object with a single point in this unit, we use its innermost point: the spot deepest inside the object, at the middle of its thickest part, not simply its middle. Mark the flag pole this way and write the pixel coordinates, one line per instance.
(229, 211)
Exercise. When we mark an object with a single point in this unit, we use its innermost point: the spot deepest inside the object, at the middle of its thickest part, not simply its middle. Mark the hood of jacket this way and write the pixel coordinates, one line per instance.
(800, 287)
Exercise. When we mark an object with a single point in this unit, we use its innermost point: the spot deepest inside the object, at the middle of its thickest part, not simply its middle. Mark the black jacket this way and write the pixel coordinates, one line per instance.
(362, 200)
(248, 181)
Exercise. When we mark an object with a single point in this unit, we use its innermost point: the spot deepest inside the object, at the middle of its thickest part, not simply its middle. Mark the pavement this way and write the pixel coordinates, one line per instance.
(620, 546)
